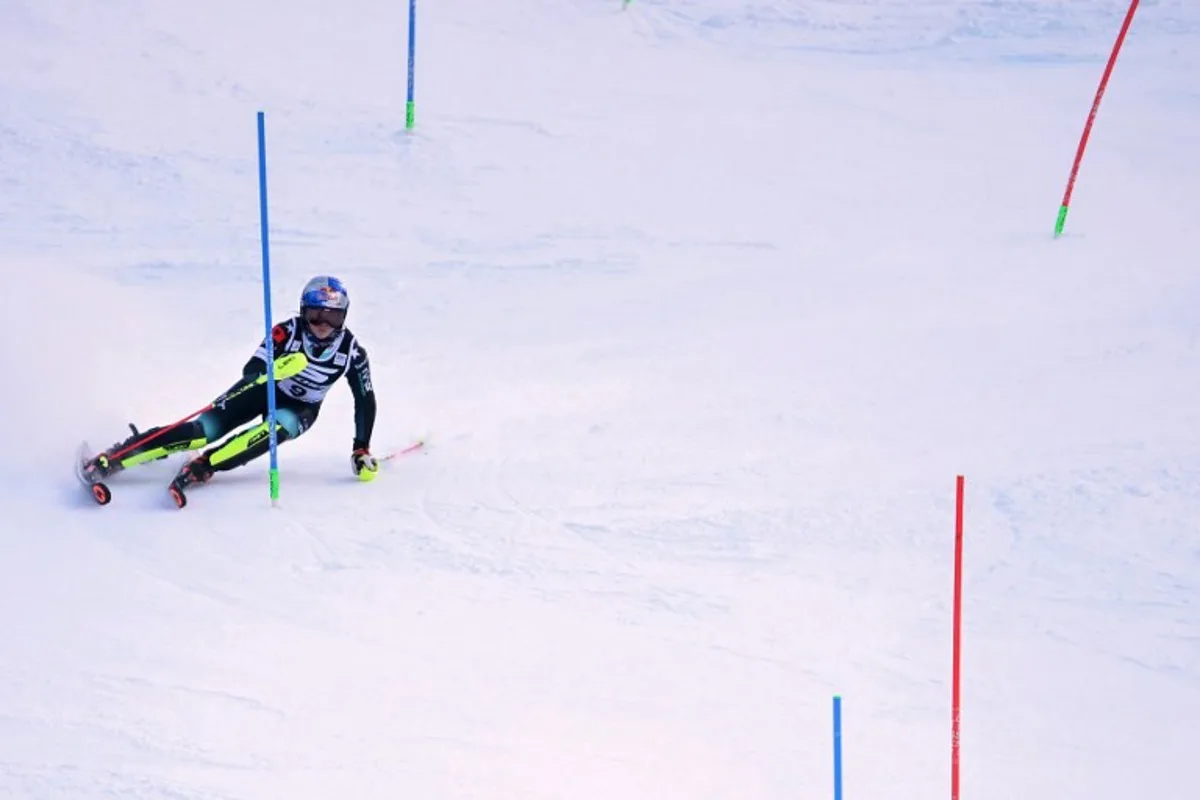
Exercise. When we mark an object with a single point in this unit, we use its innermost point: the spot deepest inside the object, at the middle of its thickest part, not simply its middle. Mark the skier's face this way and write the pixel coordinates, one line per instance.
(322, 322)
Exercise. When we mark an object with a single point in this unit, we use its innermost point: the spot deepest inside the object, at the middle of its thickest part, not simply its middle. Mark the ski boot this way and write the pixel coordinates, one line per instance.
(198, 470)
(101, 466)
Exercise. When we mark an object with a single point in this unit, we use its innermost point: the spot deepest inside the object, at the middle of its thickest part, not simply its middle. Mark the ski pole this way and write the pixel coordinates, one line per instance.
(417, 445)
(129, 448)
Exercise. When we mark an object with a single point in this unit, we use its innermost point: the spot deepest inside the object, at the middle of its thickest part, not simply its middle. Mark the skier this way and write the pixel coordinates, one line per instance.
(330, 351)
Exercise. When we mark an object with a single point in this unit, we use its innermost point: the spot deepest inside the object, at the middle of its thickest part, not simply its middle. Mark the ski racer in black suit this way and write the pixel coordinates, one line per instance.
(330, 352)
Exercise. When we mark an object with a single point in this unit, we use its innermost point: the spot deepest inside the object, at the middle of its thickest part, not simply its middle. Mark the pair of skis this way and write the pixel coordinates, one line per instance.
(99, 491)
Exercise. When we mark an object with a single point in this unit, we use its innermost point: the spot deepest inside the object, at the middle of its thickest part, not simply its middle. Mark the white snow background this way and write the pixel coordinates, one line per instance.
(704, 305)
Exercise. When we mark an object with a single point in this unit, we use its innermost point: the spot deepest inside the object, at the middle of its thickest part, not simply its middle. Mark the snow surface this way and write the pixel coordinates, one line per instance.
(704, 304)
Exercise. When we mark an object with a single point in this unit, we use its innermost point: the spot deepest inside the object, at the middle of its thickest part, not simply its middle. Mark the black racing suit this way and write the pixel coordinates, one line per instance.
(297, 399)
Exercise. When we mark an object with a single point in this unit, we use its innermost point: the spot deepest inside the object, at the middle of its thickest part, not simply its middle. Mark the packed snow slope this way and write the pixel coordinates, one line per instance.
(703, 305)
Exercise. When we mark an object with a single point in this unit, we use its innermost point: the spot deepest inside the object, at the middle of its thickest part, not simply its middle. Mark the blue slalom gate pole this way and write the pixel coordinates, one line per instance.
(837, 747)
(410, 107)
(268, 341)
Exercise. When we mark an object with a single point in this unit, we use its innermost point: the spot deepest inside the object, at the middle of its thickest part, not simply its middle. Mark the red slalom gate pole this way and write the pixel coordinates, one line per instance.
(1087, 127)
(956, 693)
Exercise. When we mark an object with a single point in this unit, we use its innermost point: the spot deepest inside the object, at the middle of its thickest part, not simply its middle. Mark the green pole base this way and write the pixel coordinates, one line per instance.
(274, 485)
(1062, 220)
(410, 115)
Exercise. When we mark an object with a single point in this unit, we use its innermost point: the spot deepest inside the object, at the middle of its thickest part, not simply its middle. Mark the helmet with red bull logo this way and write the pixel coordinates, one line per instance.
(324, 300)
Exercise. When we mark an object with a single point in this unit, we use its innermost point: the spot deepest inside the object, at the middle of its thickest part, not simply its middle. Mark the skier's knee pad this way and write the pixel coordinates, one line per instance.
(210, 426)
(290, 424)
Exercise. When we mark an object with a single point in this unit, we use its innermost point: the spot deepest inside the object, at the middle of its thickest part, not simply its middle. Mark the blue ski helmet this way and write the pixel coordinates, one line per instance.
(324, 300)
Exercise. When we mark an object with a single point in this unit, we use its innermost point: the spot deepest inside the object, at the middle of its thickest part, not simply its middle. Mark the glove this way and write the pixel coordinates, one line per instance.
(365, 466)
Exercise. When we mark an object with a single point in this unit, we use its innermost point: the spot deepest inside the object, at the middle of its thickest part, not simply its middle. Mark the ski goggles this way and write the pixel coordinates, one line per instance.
(334, 317)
